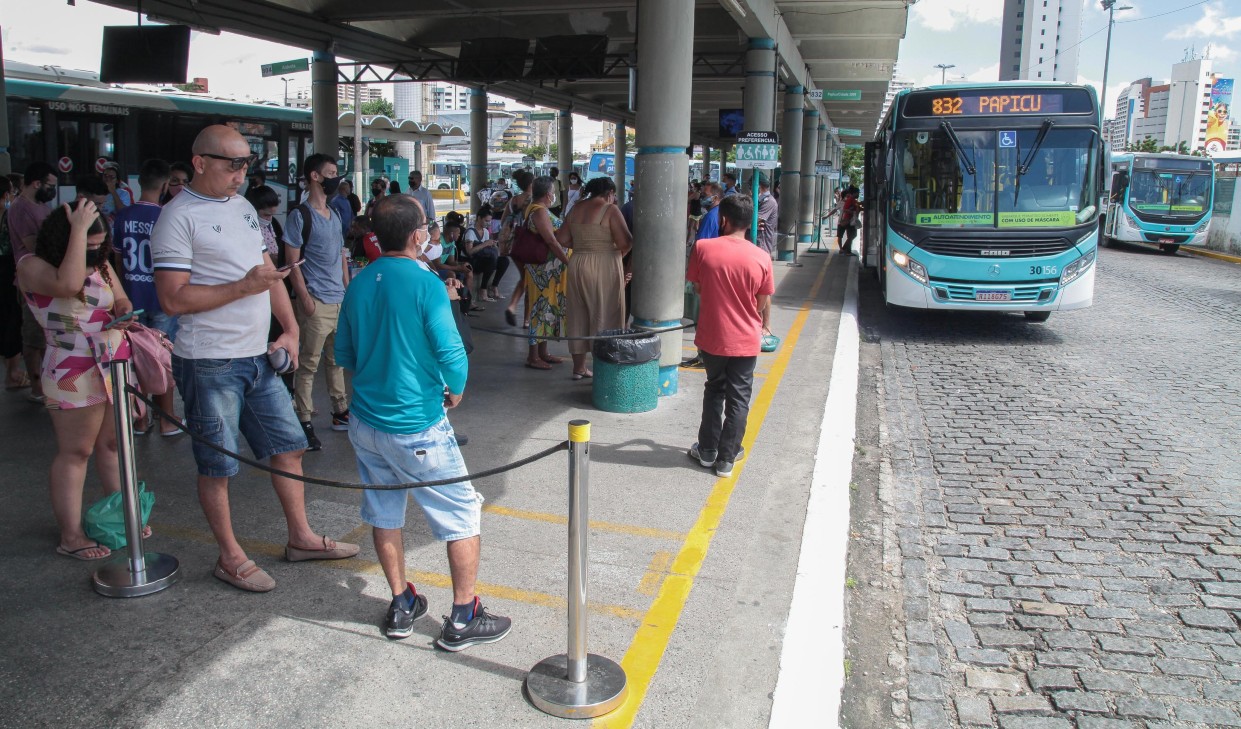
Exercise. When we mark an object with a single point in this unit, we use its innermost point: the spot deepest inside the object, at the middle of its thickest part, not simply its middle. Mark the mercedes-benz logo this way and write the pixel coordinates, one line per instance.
(994, 270)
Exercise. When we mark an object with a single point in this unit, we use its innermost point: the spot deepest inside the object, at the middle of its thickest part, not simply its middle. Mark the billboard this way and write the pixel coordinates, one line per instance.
(1217, 115)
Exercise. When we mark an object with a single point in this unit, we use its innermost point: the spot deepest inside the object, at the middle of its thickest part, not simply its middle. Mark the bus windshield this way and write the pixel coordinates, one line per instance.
(975, 182)
(1170, 192)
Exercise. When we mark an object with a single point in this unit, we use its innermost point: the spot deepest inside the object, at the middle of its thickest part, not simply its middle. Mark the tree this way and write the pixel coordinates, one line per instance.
(510, 146)
(1146, 145)
(380, 106)
(852, 160)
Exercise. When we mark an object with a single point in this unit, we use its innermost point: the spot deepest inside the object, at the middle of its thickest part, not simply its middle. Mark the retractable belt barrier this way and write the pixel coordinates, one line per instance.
(634, 334)
(575, 684)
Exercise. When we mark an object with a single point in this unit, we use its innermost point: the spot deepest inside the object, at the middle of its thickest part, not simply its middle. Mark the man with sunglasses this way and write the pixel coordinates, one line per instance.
(212, 270)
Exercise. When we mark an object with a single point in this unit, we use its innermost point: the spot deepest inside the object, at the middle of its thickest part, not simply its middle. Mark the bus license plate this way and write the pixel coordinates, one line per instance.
(1165, 240)
(986, 295)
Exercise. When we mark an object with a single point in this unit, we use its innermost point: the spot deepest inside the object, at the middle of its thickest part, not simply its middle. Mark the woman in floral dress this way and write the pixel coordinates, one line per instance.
(545, 282)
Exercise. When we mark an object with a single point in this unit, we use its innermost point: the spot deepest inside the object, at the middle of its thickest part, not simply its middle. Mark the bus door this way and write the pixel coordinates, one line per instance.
(299, 146)
(872, 182)
(83, 144)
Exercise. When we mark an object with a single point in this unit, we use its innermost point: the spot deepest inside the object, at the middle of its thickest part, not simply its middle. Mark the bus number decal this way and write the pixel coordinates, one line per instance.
(947, 105)
(1044, 270)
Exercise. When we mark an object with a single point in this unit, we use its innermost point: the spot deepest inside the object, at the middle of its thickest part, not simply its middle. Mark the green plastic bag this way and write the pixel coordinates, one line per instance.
(691, 302)
(770, 343)
(105, 519)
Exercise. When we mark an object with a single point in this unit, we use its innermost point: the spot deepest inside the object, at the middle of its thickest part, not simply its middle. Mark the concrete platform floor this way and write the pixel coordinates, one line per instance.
(690, 576)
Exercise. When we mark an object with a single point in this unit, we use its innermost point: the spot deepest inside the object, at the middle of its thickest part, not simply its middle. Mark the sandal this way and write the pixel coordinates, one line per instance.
(19, 384)
(248, 576)
(583, 375)
(510, 318)
(77, 553)
(552, 359)
(538, 365)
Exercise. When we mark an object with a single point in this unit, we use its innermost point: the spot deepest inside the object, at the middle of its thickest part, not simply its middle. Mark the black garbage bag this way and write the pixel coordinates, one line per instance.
(629, 350)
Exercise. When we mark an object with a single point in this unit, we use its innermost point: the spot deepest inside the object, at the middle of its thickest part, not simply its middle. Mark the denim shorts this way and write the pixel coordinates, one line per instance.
(225, 398)
(453, 512)
(161, 321)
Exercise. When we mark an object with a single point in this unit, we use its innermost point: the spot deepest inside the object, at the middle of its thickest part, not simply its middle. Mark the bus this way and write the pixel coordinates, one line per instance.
(603, 164)
(986, 197)
(1164, 199)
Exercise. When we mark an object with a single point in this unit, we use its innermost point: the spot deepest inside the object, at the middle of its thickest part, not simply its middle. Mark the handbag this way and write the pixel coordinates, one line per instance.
(770, 343)
(529, 248)
(151, 356)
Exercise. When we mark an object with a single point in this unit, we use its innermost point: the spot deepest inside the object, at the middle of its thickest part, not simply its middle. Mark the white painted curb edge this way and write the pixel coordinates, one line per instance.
(812, 674)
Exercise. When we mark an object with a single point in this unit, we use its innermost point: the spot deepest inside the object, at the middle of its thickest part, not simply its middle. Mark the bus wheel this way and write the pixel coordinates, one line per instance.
(1037, 316)
(1104, 241)
(1169, 248)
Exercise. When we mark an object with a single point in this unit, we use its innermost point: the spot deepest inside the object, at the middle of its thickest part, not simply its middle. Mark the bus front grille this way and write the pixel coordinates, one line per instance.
(998, 249)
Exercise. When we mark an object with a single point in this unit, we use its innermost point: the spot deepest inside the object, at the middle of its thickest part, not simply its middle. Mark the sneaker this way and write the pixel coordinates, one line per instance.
(400, 623)
(484, 628)
(340, 421)
(705, 458)
(725, 468)
(694, 362)
(312, 440)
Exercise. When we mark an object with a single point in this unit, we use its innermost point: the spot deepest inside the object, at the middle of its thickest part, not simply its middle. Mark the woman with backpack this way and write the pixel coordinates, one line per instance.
(484, 255)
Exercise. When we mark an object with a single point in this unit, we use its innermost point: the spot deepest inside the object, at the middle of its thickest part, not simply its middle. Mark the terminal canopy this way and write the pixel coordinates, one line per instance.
(578, 54)
(397, 130)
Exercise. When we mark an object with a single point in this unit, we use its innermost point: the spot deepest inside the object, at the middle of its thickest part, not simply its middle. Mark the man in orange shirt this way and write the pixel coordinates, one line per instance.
(733, 278)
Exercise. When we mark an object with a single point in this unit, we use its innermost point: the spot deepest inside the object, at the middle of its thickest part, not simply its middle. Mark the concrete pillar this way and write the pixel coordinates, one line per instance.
(724, 150)
(564, 147)
(478, 144)
(809, 147)
(662, 169)
(821, 205)
(760, 90)
(621, 145)
(790, 170)
(6, 162)
(323, 104)
(706, 162)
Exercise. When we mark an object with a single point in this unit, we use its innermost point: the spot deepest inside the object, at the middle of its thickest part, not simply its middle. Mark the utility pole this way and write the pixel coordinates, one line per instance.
(943, 70)
(1109, 6)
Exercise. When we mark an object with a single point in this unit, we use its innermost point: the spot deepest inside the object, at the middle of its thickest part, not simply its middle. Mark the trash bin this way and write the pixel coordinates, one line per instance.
(626, 372)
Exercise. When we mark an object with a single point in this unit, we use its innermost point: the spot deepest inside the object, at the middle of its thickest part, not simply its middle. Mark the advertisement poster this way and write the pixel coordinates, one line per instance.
(1217, 115)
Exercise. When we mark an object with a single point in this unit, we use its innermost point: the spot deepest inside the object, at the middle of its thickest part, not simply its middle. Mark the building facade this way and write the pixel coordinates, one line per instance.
(1039, 40)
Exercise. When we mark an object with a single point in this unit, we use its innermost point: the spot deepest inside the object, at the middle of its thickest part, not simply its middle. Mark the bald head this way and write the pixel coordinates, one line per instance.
(214, 148)
(222, 140)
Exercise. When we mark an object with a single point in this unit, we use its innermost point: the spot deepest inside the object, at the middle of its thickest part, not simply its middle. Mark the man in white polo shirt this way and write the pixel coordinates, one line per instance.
(212, 270)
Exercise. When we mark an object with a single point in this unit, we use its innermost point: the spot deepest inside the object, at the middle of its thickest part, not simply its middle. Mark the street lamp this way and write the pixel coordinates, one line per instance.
(943, 68)
(286, 89)
(1109, 6)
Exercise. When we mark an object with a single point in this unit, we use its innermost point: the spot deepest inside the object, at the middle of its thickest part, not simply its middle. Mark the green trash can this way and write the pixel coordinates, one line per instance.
(626, 372)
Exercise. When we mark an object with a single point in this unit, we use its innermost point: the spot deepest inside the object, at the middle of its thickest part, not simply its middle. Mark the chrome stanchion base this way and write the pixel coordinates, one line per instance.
(552, 692)
(115, 579)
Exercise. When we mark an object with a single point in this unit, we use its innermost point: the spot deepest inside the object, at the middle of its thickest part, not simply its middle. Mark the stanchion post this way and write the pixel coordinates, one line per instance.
(577, 684)
(139, 572)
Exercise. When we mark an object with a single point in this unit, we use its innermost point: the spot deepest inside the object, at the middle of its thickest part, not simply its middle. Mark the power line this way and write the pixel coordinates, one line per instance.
(1160, 15)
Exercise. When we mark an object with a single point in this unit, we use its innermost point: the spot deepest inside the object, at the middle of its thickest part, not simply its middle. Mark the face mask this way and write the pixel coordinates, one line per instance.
(94, 256)
(708, 202)
(377, 191)
(331, 184)
(45, 195)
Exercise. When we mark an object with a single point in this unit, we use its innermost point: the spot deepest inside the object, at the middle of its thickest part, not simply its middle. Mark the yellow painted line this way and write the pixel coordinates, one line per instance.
(435, 579)
(602, 526)
(1212, 254)
(655, 573)
(646, 651)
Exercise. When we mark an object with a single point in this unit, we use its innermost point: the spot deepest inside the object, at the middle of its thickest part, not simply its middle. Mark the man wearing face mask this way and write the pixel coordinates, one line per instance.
(709, 226)
(421, 194)
(313, 233)
(26, 214)
(379, 190)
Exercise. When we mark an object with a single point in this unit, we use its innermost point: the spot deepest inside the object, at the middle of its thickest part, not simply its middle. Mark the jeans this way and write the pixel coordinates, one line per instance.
(227, 397)
(453, 512)
(725, 403)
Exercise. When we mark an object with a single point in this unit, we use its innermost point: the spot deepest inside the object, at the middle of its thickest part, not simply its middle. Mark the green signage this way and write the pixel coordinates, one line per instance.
(842, 95)
(542, 115)
(1052, 219)
(954, 219)
(275, 69)
(849, 132)
(1188, 208)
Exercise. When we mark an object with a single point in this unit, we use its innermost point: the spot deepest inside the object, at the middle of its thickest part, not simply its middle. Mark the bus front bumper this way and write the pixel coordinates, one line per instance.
(904, 290)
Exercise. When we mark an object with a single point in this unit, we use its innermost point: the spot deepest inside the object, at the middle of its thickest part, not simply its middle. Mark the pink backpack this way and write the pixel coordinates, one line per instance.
(151, 357)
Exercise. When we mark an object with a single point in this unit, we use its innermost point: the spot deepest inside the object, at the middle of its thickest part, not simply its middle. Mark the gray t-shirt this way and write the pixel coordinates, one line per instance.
(322, 269)
(217, 241)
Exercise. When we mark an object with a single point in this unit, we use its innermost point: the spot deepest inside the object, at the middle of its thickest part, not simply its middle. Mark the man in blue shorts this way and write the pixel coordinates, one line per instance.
(397, 334)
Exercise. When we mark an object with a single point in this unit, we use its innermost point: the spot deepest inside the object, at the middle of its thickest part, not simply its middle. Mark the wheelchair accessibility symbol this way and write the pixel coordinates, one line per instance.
(1008, 139)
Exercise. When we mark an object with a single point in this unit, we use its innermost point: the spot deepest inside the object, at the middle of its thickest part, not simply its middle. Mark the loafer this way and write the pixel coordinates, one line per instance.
(342, 550)
(248, 576)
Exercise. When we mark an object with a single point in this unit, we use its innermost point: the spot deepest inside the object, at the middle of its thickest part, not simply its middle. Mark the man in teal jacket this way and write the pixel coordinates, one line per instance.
(397, 334)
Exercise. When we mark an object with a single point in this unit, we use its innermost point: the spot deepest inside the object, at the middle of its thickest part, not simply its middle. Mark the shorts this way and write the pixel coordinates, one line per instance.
(161, 321)
(453, 512)
(225, 398)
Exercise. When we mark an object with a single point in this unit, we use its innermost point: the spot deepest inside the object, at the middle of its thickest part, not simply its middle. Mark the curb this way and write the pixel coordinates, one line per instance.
(1211, 254)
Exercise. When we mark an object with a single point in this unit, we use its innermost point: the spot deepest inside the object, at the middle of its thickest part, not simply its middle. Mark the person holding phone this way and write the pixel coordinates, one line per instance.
(74, 295)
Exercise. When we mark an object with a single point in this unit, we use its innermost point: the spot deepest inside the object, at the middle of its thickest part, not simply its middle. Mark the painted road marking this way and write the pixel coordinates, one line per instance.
(646, 651)
(812, 670)
(435, 579)
(655, 573)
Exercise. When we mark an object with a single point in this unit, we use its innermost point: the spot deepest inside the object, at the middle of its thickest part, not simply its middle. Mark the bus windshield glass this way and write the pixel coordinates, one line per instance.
(1170, 192)
(933, 186)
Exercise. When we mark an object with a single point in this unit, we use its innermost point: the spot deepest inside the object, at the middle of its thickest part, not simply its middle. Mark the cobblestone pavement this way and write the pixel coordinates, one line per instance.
(1066, 500)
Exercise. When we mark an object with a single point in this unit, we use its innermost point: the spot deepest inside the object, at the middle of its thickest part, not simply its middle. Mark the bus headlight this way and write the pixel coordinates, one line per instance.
(1203, 228)
(1133, 223)
(910, 266)
(1075, 269)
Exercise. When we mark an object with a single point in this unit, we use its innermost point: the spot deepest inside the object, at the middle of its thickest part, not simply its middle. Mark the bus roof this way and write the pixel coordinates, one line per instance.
(49, 91)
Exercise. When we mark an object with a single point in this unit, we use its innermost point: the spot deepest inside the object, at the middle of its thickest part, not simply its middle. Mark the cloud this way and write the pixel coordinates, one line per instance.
(1113, 93)
(956, 75)
(1222, 53)
(1214, 22)
(946, 15)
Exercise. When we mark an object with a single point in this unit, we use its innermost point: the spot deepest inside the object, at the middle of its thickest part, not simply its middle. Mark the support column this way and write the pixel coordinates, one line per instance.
(790, 172)
(759, 95)
(706, 163)
(724, 150)
(809, 147)
(478, 144)
(564, 147)
(662, 169)
(821, 206)
(621, 145)
(323, 104)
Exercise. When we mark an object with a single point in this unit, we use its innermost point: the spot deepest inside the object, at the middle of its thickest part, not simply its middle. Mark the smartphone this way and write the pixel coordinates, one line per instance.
(124, 318)
(289, 266)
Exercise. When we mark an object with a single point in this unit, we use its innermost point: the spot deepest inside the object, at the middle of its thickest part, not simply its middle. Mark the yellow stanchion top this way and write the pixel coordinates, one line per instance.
(579, 431)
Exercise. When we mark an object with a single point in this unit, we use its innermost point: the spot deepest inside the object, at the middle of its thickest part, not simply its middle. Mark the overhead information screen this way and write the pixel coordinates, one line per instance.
(997, 102)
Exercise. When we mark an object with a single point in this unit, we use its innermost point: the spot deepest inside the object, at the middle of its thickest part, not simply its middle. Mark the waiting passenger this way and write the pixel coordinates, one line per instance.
(180, 176)
(119, 194)
(545, 282)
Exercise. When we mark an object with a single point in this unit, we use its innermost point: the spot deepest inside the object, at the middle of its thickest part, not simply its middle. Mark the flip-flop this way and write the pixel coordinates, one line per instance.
(77, 553)
(552, 359)
(583, 375)
(21, 384)
(510, 318)
(540, 366)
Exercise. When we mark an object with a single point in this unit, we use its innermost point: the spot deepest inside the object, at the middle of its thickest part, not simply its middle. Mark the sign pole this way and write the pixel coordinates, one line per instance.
(754, 217)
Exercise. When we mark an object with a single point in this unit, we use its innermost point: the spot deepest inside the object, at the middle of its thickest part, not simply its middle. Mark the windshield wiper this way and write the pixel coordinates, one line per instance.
(1024, 166)
(956, 144)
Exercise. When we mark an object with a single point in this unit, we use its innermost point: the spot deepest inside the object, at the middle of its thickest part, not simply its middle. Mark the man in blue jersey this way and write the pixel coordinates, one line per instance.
(397, 334)
(709, 226)
(131, 238)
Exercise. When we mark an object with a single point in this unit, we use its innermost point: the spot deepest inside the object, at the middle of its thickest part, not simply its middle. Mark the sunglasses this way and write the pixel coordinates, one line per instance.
(234, 163)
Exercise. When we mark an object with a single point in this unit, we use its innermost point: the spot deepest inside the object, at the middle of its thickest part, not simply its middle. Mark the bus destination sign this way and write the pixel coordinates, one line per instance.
(998, 102)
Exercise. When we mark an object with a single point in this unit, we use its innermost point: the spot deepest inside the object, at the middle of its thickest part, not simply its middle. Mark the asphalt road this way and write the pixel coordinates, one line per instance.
(1047, 525)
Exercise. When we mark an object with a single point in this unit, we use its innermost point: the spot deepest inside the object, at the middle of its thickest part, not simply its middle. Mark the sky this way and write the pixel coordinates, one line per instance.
(1146, 40)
